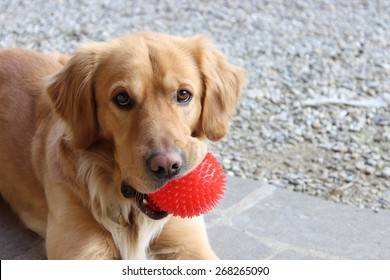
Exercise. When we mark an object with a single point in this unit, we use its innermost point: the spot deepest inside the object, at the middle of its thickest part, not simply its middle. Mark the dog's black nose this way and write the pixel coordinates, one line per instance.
(165, 164)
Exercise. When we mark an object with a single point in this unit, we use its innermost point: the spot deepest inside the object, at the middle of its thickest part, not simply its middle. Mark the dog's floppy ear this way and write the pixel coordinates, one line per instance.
(222, 88)
(72, 93)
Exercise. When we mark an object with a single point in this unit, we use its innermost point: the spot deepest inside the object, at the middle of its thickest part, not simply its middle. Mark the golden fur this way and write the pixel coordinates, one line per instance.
(66, 147)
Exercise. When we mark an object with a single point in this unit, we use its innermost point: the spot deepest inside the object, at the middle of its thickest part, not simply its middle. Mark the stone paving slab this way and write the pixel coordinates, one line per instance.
(258, 221)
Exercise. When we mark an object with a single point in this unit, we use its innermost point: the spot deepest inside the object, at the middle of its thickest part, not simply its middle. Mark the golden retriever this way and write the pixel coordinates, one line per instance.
(84, 140)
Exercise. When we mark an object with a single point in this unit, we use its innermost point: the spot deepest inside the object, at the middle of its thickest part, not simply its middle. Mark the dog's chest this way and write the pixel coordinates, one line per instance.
(133, 234)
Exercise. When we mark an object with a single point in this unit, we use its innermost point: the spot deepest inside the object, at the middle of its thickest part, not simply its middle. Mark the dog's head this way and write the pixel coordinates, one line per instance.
(153, 97)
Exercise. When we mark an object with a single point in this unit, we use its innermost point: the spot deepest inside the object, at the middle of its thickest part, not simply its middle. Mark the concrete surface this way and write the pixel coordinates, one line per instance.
(258, 221)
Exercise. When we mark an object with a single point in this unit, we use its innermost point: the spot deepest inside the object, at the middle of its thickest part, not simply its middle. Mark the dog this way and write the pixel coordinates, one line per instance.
(84, 139)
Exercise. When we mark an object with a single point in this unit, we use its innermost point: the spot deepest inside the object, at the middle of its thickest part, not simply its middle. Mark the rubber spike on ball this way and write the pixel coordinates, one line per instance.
(195, 193)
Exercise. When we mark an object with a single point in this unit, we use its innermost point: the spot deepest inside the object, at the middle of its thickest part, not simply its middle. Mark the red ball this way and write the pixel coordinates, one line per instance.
(195, 193)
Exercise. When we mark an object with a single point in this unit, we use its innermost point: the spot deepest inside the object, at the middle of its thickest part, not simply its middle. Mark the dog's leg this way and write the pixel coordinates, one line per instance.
(27, 199)
(183, 239)
(72, 232)
(77, 237)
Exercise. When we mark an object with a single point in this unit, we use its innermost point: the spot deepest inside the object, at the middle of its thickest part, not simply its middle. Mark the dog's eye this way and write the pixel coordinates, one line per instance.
(123, 100)
(184, 96)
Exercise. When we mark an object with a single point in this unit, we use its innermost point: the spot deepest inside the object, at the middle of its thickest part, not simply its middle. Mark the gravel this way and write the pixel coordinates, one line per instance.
(314, 116)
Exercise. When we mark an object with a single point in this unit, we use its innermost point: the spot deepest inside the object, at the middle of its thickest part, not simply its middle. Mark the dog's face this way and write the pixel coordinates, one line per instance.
(153, 98)
(148, 95)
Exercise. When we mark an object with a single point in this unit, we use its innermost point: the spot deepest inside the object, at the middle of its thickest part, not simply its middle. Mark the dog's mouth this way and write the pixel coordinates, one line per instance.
(144, 203)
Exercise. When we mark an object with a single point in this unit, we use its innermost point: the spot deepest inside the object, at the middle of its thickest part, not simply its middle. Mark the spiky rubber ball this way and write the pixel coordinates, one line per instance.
(195, 193)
